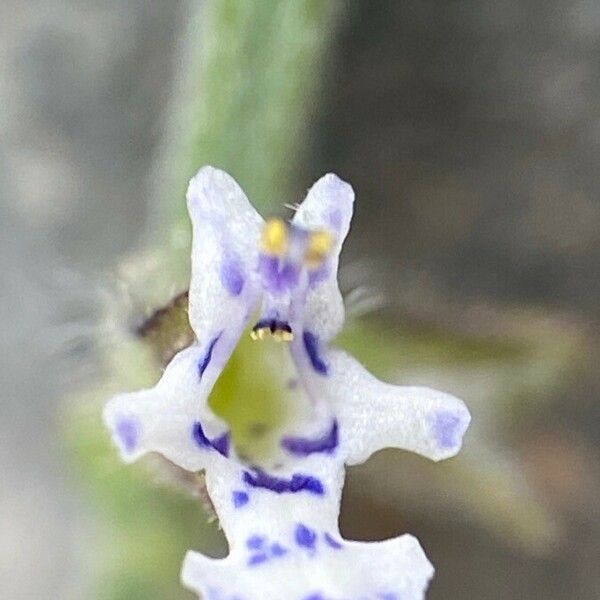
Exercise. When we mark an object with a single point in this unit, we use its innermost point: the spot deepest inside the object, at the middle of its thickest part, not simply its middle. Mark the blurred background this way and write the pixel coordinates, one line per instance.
(470, 131)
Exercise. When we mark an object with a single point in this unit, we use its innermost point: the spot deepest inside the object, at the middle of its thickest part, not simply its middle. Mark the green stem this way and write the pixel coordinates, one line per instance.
(248, 97)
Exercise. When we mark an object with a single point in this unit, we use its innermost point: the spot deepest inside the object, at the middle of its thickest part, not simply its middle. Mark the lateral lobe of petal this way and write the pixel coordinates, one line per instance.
(382, 415)
(161, 419)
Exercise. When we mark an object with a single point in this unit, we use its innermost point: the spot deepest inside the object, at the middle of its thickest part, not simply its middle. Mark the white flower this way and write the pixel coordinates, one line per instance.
(281, 520)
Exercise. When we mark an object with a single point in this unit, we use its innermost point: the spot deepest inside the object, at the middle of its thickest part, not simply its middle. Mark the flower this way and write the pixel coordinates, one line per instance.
(280, 518)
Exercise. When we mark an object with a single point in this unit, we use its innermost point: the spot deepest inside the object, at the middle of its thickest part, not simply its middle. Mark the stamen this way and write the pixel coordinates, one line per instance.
(259, 334)
(280, 331)
(275, 238)
(319, 246)
(280, 335)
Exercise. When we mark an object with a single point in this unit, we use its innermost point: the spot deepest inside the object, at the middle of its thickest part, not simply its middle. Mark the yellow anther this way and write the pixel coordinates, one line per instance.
(275, 237)
(319, 246)
(280, 335)
(259, 334)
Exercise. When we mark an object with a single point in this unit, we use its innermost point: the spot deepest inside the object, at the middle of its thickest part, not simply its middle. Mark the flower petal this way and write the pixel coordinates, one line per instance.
(308, 565)
(281, 521)
(224, 287)
(373, 415)
(171, 418)
(328, 206)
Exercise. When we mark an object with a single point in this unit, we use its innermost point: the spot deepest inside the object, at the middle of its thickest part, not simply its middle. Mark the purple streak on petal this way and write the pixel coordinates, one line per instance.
(448, 429)
(207, 356)
(303, 446)
(221, 444)
(315, 596)
(305, 536)
(261, 479)
(128, 430)
(311, 484)
(331, 541)
(298, 482)
(232, 276)
(199, 435)
(311, 345)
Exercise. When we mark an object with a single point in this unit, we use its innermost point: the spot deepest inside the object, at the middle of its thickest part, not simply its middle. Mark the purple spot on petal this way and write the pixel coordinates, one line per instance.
(128, 431)
(315, 596)
(305, 536)
(278, 549)
(240, 498)
(232, 276)
(304, 446)
(257, 559)
(447, 429)
(254, 542)
(311, 344)
(331, 541)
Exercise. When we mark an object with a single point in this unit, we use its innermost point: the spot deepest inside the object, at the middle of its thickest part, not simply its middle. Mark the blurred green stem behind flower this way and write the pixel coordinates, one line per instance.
(247, 98)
